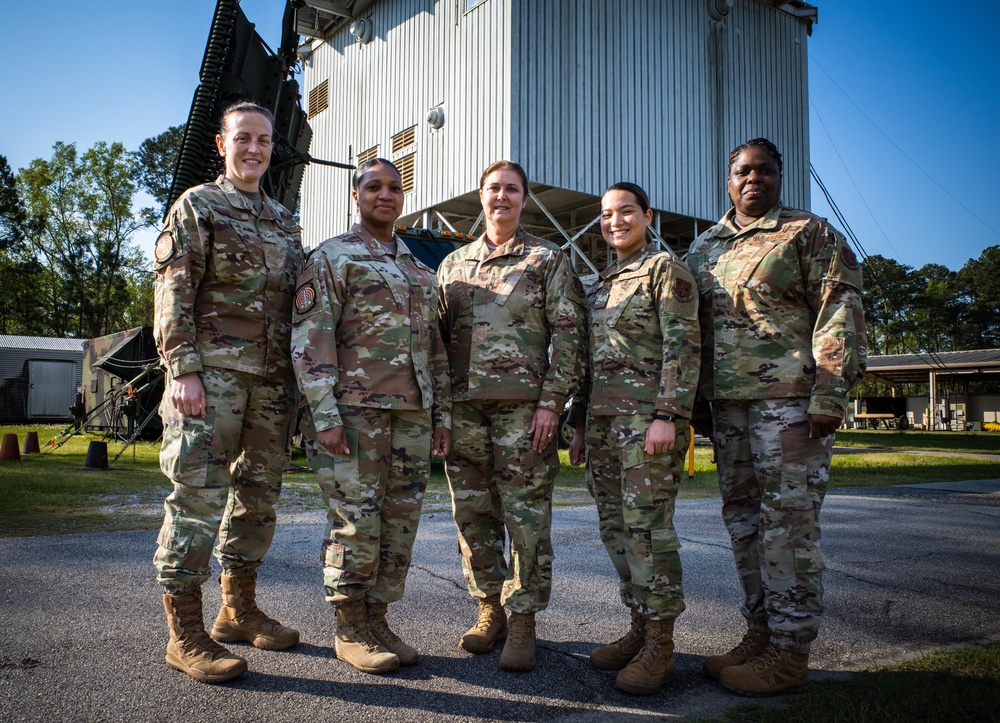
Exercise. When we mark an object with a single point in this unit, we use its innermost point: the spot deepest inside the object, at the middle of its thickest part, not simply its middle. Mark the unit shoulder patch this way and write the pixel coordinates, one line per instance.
(164, 249)
(305, 298)
(682, 289)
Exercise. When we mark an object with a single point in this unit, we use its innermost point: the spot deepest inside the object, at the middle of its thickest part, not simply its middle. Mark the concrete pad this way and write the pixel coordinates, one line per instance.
(82, 633)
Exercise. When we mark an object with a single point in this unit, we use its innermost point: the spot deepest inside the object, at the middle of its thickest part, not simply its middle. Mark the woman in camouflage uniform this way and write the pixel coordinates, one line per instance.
(781, 311)
(371, 365)
(511, 315)
(644, 357)
(226, 265)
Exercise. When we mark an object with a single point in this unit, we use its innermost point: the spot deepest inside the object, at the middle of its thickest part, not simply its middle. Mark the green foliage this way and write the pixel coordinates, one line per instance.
(83, 237)
(932, 309)
(155, 162)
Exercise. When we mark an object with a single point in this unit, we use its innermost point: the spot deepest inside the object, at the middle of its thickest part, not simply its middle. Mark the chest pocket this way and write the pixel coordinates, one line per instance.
(630, 304)
(281, 254)
(423, 293)
(769, 271)
(381, 282)
(236, 252)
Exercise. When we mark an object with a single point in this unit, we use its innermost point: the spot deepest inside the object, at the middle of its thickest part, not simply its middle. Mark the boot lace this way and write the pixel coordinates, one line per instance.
(519, 631)
(767, 659)
(487, 613)
(380, 627)
(746, 645)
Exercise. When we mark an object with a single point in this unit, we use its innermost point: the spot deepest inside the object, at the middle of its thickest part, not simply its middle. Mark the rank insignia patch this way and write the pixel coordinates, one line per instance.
(305, 297)
(164, 249)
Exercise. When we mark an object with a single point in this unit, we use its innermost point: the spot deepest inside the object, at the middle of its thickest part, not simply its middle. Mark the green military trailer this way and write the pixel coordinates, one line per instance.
(122, 385)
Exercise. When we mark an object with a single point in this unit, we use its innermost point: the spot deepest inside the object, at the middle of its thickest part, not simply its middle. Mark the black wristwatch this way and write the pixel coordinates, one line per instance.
(663, 417)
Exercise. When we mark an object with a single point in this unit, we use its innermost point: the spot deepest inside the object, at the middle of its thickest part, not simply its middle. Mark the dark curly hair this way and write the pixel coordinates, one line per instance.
(757, 143)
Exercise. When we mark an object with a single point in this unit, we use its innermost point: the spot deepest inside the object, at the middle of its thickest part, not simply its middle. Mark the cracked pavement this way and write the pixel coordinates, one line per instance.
(82, 633)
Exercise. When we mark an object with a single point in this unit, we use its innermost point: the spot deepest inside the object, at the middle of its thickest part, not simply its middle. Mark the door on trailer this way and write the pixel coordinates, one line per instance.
(51, 389)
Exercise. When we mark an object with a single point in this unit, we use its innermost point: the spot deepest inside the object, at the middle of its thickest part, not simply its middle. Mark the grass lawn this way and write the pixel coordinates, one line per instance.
(52, 493)
(953, 685)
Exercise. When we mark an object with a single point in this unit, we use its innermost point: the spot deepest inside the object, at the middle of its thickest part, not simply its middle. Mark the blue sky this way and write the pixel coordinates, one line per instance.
(904, 103)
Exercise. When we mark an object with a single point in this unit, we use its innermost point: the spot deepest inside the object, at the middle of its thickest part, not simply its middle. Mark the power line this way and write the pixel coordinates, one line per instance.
(934, 360)
(848, 171)
(897, 147)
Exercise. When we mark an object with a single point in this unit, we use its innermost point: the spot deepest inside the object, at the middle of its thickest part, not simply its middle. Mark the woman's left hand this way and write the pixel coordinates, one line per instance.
(441, 442)
(660, 437)
(544, 426)
(822, 425)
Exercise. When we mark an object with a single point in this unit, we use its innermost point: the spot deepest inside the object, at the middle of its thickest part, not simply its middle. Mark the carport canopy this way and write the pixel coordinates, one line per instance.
(975, 365)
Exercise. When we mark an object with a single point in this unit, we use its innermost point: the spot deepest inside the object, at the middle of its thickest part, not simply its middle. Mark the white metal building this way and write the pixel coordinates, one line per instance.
(581, 93)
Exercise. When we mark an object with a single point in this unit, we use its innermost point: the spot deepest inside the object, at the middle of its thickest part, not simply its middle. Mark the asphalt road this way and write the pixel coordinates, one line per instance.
(82, 630)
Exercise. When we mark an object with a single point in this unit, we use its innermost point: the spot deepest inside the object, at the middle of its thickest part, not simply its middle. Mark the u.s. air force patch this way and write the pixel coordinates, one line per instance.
(850, 260)
(305, 298)
(682, 289)
(164, 249)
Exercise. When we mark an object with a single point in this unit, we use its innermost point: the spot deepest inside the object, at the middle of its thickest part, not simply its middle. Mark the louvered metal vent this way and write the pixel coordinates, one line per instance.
(367, 155)
(319, 98)
(404, 140)
(407, 170)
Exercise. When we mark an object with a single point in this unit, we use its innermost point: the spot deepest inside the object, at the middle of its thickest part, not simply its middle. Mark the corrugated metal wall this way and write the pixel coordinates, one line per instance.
(657, 93)
(583, 94)
(424, 54)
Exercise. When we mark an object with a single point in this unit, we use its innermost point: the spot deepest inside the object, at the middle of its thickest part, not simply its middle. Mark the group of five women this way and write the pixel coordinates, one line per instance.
(474, 365)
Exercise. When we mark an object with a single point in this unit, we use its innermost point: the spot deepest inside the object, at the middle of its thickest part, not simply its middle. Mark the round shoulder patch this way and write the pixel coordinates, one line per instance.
(305, 298)
(164, 249)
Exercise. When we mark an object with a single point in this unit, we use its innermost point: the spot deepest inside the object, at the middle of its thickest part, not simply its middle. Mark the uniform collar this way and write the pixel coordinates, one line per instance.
(238, 200)
(629, 263)
(726, 228)
(375, 247)
(516, 245)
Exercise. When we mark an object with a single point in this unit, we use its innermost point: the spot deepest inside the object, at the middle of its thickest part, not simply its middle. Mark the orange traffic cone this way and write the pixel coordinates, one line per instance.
(8, 449)
(30, 443)
(97, 455)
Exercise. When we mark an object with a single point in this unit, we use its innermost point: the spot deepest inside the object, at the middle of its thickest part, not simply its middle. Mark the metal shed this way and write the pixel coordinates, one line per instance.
(955, 408)
(581, 94)
(40, 378)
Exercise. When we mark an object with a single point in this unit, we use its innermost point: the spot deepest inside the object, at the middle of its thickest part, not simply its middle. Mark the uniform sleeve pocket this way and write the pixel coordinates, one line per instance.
(333, 555)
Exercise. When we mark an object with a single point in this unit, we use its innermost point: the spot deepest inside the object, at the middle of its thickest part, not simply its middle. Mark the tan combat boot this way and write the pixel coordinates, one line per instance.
(190, 650)
(356, 645)
(752, 645)
(490, 628)
(772, 672)
(654, 665)
(240, 620)
(616, 655)
(380, 629)
(519, 650)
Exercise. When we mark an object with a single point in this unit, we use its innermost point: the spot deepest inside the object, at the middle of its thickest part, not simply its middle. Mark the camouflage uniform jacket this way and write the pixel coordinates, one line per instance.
(224, 283)
(644, 339)
(512, 319)
(366, 331)
(781, 312)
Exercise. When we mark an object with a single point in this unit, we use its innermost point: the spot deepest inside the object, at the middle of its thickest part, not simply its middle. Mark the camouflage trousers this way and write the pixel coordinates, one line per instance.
(374, 496)
(226, 470)
(499, 482)
(772, 478)
(635, 494)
